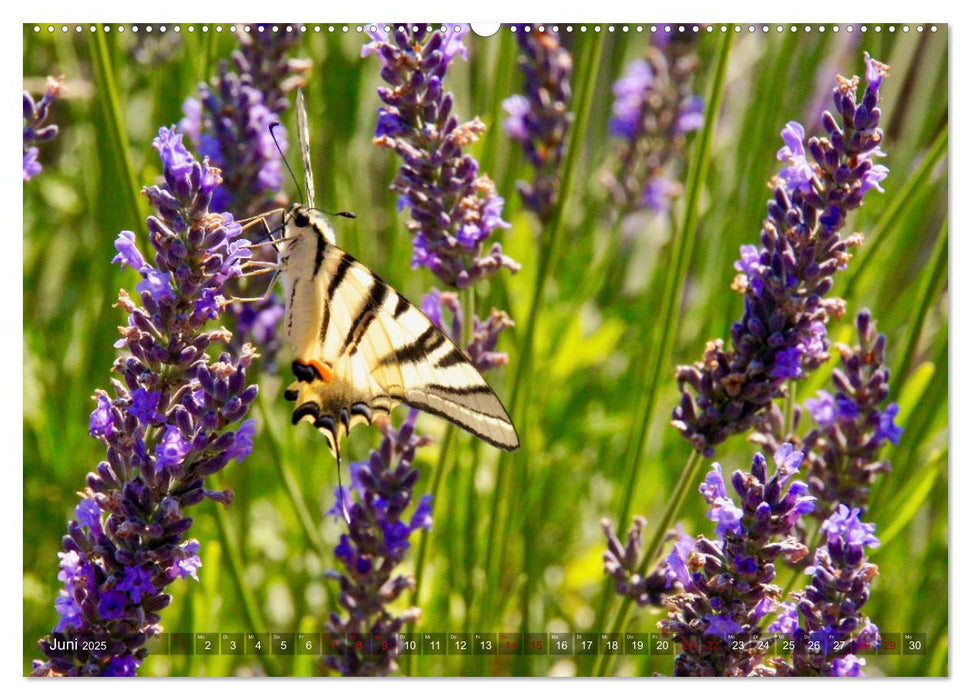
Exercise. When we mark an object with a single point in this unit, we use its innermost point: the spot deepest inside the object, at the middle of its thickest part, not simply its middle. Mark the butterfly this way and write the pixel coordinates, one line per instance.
(361, 347)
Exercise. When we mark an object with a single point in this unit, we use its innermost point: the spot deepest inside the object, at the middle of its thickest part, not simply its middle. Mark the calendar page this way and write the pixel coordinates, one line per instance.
(485, 350)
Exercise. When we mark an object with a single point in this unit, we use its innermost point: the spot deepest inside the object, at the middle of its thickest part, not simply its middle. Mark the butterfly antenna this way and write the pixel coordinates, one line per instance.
(293, 177)
(345, 214)
(340, 489)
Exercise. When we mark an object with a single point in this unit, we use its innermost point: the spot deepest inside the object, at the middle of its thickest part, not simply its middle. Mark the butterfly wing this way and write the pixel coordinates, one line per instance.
(303, 136)
(375, 349)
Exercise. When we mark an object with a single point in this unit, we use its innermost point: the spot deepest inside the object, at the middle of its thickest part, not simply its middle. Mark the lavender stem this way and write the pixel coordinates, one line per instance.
(589, 64)
(689, 477)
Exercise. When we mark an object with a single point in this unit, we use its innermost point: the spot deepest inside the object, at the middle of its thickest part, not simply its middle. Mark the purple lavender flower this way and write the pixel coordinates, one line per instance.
(230, 124)
(826, 621)
(377, 540)
(262, 62)
(166, 427)
(654, 108)
(853, 423)
(782, 333)
(36, 130)
(728, 582)
(454, 209)
(622, 563)
(539, 121)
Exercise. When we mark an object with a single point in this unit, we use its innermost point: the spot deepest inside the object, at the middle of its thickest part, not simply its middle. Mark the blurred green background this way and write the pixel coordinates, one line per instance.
(537, 565)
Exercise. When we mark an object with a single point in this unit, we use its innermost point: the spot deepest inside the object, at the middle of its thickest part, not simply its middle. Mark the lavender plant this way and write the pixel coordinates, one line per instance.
(165, 424)
(36, 129)
(852, 424)
(540, 119)
(782, 333)
(454, 209)
(230, 124)
(262, 62)
(728, 581)
(826, 621)
(366, 640)
(654, 109)
(622, 562)
(453, 212)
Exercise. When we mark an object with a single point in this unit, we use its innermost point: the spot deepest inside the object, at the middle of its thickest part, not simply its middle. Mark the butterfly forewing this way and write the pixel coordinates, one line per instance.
(303, 135)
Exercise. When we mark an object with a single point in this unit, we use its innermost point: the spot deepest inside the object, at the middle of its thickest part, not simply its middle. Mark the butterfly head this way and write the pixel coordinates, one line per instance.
(302, 220)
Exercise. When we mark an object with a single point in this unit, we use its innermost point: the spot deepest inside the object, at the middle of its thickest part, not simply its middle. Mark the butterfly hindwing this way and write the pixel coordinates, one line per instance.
(375, 349)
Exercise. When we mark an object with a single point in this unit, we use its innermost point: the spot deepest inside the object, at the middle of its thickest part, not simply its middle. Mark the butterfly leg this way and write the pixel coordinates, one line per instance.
(260, 271)
(254, 220)
(269, 287)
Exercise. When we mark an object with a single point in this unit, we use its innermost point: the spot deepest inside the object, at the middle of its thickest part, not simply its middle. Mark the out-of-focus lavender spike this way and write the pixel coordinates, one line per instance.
(540, 119)
(654, 108)
(229, 123)
(36, 128)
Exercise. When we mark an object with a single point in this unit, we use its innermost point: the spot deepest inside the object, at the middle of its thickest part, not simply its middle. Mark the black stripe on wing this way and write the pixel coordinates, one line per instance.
(343, 265)
(365, 315)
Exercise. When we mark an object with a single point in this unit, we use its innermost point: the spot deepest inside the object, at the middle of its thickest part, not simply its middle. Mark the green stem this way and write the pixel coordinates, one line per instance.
(588, 64)
(468, 310)
(251, 613)
(932, 281)
(905, 196)
(425, 534)
(682, 249)
(105, 77)
(505, 69)
(682, 246)
(790, 407)
(689, 477)
(310, 530)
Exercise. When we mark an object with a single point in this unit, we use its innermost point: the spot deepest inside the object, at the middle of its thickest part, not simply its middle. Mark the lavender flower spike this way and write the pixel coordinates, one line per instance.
(826, 621)
(853, 423)
(622, 562)
(229, 123)
(376, 543)
(35, 129)
(782, 333)
(654, 109)
(262, 62)
(166, 426)
(454, 210)
(728, 581)
(540, 119)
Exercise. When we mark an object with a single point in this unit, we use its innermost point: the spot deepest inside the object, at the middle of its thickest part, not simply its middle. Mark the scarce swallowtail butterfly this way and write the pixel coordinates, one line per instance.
(361, 347)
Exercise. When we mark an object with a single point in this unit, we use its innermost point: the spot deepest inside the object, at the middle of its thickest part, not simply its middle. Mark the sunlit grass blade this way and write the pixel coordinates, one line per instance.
(111, 102)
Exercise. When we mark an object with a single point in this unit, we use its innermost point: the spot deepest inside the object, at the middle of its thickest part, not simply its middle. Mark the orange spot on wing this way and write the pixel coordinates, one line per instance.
(325, 372)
